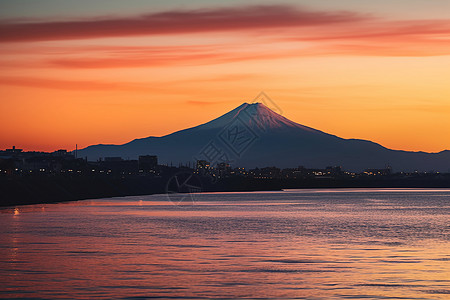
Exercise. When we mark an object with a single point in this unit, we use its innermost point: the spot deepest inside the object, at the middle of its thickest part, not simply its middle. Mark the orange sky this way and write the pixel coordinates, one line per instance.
(110, 79)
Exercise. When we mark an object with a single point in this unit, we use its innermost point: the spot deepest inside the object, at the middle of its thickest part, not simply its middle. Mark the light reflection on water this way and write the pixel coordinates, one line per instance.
(295, 244)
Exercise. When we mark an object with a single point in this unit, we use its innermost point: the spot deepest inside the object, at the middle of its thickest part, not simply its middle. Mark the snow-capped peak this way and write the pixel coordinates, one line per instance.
(255, 115)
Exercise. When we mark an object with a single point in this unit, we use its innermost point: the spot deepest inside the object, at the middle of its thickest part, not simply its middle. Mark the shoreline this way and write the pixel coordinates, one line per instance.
(45, 190)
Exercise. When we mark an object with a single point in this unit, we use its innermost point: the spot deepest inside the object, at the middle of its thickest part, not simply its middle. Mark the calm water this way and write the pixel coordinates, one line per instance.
(311, 244)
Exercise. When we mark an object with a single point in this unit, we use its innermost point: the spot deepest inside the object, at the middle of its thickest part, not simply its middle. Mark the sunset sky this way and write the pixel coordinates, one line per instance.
(88, 72)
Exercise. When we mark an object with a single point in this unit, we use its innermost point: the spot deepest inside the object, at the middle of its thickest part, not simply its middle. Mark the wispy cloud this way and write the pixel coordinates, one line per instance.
(381, 38)
(174, 22)
(173, 56)
(66, 84)
(271, 32)
(175, 86)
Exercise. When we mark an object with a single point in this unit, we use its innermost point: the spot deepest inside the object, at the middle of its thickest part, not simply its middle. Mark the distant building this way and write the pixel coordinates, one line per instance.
(61, 153)
(266, 173)
(203, 165)
(223, 166)
(13, 150)
(148, 163)
(223, 169)
(116, 165)
(378, 172)
(334, 170)
(6, 166)
(270, 172)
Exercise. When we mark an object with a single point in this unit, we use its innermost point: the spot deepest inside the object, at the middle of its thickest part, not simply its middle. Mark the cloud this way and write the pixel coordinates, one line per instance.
(381, 38)
(381, 29)
(174, 22)
(176, 56)
(171, 87)
(65, 84)
(305, 32)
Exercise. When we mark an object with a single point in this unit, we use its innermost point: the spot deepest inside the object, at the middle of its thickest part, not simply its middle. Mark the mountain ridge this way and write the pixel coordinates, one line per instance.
(252, 135)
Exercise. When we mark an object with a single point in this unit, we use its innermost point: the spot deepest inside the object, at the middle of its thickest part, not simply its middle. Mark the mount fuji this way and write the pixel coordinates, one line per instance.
(252, 135)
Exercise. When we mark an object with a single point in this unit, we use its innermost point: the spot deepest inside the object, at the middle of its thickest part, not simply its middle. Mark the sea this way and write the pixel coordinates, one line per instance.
(291, 244)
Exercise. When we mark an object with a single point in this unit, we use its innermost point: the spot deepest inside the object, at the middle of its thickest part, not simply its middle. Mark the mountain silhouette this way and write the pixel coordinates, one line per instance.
(252, 135)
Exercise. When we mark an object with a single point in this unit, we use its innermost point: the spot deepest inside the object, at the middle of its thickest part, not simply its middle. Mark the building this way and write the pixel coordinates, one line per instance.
(13, 150)
(203, 165)
(148, 163)
(378, 172)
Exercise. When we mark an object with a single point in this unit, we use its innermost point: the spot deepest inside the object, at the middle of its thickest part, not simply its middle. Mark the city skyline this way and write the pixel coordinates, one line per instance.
(93, 73)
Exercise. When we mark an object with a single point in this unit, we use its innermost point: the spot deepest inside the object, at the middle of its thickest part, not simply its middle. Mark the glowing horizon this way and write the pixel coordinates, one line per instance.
(109, 75)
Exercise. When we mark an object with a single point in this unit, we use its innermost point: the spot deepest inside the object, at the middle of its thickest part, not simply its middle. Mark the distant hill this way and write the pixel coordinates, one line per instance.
(252, 135)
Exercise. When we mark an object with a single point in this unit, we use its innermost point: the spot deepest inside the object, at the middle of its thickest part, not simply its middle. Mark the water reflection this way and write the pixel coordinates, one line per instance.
(293, 244)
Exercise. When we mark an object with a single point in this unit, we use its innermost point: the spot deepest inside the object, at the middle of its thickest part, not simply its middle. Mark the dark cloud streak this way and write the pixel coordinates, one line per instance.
(175, 22)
